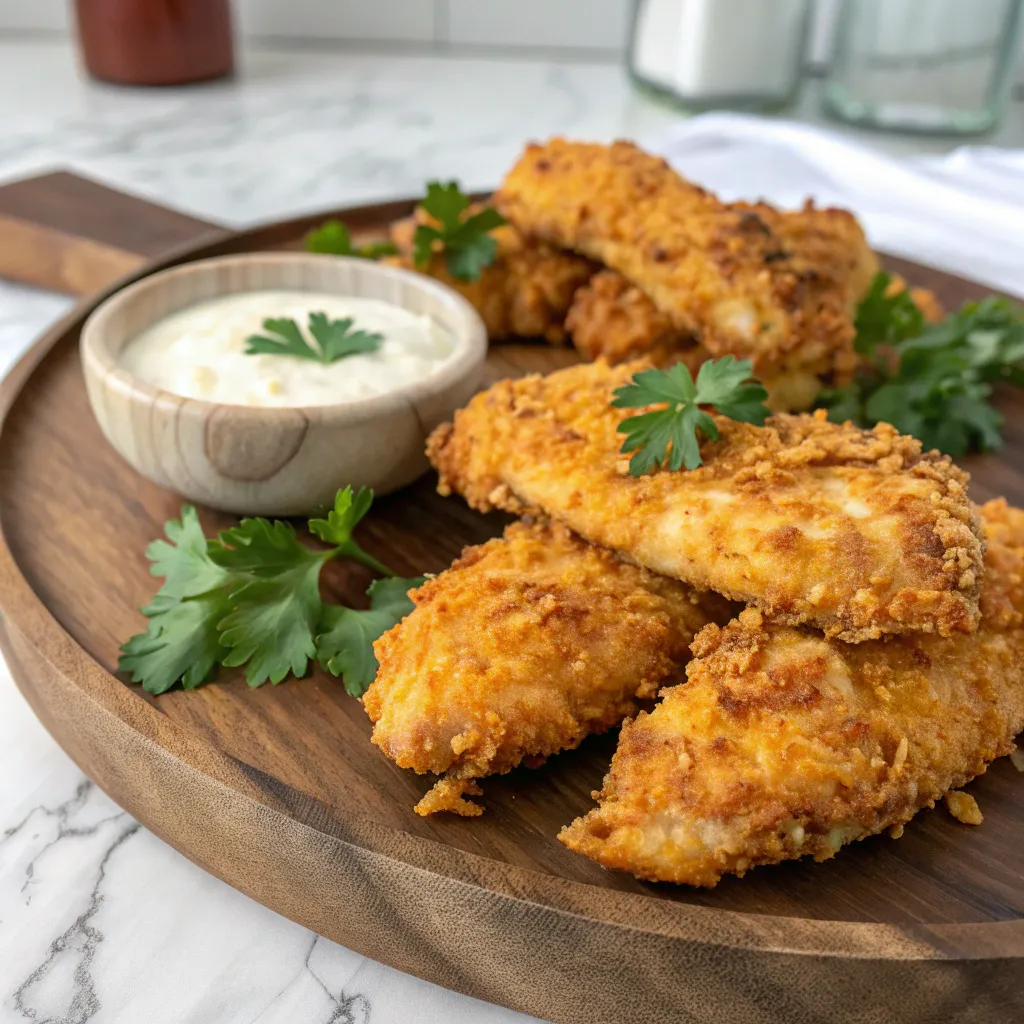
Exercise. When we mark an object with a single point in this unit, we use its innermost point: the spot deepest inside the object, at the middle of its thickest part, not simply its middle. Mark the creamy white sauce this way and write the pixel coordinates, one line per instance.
(199, 351)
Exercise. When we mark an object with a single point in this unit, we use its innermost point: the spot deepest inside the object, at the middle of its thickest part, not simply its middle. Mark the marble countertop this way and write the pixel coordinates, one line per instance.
(99, 920)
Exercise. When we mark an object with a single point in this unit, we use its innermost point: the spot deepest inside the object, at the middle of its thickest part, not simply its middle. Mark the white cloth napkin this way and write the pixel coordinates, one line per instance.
(963, 212)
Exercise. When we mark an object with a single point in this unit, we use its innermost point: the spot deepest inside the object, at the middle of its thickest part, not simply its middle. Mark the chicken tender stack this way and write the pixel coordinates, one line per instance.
(784, 744)
(856, 531)
(856, 688)
(613, 318)
(611, 247)
(877, 664)
(747, 280)
(526, 292)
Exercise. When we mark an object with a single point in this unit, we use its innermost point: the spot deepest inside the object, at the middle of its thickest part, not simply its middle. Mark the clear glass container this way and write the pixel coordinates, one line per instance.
(702, 54)
(933, 66)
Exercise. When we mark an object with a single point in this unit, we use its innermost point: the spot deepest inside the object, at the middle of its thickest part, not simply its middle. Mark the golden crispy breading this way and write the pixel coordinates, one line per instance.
(525, 293)
(784, 744)
(853, 530)
(727, 274)
(612, 318)
(522, 648)
(823, 242)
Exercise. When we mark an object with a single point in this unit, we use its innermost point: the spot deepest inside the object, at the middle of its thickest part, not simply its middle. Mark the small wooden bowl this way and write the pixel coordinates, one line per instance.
(275, 461)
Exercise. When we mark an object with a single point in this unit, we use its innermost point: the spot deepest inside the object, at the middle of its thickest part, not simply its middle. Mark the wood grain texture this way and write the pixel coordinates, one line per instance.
(271, 460)
(279, 791)
(68, 234)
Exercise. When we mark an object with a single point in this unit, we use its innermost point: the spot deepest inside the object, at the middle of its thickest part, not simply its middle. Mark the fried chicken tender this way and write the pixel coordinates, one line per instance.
(611, 317)
(525, 293)
(525, 646)
(744, 279)
(855, 531)
(783, 744)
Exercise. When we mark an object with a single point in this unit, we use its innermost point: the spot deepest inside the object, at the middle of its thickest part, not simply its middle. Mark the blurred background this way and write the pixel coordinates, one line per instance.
(592, 28)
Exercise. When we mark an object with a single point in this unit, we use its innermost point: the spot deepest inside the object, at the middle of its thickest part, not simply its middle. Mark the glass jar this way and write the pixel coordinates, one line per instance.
(701, 54)
(155, 42)
(933, 66)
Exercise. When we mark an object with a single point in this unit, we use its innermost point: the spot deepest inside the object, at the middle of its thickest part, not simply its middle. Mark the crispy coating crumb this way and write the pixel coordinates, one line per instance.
(449, 794)
(783, 744)
(856, 531)
(525, 293)
(525, 646)
(730, 275)
(964, 808)
(612, 318)
(925, 299)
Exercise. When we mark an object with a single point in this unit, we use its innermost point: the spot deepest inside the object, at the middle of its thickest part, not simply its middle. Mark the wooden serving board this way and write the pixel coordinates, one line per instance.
(279, 792)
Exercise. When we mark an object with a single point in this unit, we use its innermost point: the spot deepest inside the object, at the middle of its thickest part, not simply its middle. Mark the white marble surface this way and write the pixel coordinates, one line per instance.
(99, 920)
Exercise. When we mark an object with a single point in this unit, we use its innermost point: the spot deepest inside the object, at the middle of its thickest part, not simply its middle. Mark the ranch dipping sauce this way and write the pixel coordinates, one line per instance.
(199, 352)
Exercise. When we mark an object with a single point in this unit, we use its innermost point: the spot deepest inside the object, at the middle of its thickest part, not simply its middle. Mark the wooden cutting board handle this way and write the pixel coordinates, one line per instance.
(69, 234)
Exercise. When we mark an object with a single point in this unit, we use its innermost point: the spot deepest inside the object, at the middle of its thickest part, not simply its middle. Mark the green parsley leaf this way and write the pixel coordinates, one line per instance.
(184, 561)
(271, 626)
(885, 319)
(445, 202)
(726, 385)
(932, 381)
(668, 437)
(181, 639)
(466, 242)
(345, 644)
(260, 547)
(181, 642)
(276, 604)
(337, 528)
(335, 339)
(333, 238)
(252, 597)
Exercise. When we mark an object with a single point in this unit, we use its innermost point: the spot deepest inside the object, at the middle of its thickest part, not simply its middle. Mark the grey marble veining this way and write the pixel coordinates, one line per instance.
(301, 131)
(101, 922)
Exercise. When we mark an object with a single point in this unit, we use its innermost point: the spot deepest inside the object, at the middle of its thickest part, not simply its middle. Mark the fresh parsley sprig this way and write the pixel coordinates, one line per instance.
(466, 241)
(335, 339)
(335, 239)
(667, 437)
(251, 597)
(885, 317)
(933, 381)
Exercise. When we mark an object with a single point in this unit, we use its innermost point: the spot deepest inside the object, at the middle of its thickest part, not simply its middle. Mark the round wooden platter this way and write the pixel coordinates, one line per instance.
(279, 792)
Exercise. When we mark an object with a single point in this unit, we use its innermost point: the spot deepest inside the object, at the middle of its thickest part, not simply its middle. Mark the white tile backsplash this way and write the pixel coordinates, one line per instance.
(599, 25)
(45, 15)
(398, 20)
(591, 24)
